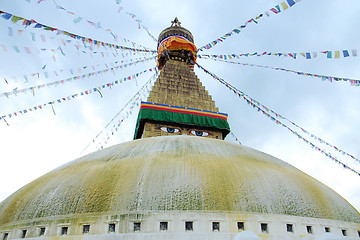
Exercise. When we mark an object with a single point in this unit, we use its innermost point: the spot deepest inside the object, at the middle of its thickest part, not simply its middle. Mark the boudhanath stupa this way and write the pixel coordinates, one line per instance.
(178, 178)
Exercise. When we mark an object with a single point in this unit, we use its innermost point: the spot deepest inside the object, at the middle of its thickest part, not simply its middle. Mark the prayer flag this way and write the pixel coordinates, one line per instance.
(346, 53)
(3, 47)
(16, 49)
(284, 5)
(59, 7)
(14, 19)
(77, 20)
(38, 25)
(32, 36)
(274, 10)
(236, 31)
(291, 2)
(337, 54)
(6, 16)
(10, 32)
(278, 8)
(354, 52)
(329, 54)
(43, 38)
(308, 56)
(314, 54)
(91, 23)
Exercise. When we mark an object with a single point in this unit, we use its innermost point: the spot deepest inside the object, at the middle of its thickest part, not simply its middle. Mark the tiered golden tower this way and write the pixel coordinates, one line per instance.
(178, 103)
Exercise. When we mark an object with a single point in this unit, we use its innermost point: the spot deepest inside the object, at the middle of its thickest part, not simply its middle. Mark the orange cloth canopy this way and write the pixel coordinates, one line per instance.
(176, 43)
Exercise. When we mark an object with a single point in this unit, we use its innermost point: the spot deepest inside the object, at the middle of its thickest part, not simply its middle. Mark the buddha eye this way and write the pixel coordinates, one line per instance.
(170, 130)
(199, 133)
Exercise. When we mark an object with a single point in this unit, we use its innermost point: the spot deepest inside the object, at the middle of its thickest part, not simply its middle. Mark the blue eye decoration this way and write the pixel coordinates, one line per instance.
(170, 130)
(199, 133)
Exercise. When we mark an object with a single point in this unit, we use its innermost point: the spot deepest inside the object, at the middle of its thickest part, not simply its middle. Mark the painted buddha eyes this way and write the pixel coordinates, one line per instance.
(199, 133)
(170, 130)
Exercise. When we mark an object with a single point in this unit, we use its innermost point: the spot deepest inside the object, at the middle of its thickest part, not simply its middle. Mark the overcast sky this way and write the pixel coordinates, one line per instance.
(39, 141)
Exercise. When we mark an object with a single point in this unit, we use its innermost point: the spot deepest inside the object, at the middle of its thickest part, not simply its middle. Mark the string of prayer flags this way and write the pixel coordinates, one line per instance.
(92, 23)
(353, 82)
(306, 55)
(34, 24)
(128, 62)
(140, 24)
(253, 101)
(236, 139)
(256, 105)
(304, 130)
(275, 10)
(131, 102)
(63, 81)
(87, 49)
(115, 127)
(68, 98)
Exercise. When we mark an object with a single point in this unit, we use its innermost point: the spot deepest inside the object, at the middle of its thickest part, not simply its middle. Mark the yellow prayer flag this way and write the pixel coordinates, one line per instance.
(303, 54)
(337, 54)
(284, 5)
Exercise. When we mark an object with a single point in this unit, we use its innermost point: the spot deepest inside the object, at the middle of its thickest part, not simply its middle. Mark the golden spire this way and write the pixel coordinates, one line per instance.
(176, 22)
(178, 103)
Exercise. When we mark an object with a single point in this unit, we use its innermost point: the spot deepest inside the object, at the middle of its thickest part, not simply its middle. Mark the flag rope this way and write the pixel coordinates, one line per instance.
(250, 101)
(35, 24)
(71, 79)
(307, 55)
(68, 98)
(97, 25)
(353, 82)
(46, 73)
(131, 103)
(275, 10)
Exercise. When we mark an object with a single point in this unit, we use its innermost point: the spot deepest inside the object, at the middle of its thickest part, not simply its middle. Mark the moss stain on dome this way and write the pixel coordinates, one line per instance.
(176, 174)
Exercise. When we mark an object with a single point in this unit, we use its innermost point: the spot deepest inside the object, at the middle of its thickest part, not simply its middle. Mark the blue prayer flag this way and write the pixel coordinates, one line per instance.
(308, 56)
(346, 53)
(6, 16)
(291, 2)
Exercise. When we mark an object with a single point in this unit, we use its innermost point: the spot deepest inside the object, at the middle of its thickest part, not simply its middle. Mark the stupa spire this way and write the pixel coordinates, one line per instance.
(179, 103)
(176, 22)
